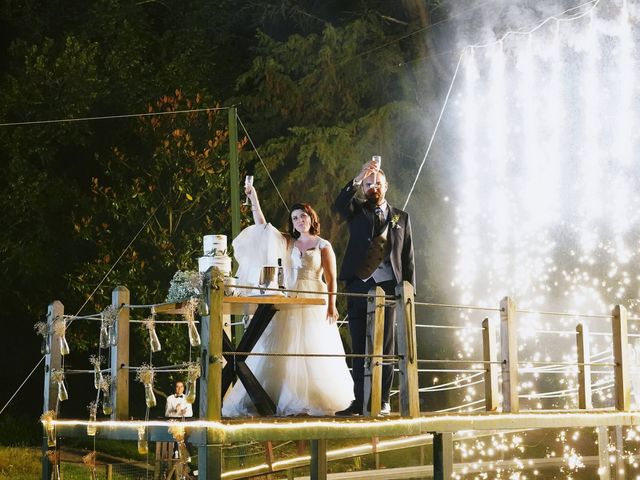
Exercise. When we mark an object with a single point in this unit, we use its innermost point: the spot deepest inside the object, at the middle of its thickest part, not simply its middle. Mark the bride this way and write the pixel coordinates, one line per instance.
(297, 385)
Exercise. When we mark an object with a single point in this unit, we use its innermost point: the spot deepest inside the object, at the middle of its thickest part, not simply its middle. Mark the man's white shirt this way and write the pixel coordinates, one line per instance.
(176, 405)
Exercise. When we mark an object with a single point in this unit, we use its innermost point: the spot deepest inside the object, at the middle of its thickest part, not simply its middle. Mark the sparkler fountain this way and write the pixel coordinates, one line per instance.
(547, 192)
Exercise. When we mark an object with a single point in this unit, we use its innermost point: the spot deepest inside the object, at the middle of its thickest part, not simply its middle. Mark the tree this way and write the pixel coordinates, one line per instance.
(175, 186)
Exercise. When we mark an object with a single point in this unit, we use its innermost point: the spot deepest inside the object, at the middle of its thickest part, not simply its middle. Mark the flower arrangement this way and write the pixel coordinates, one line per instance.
(394, 221)
(57, 376)
(90, 462)
(179, 435)
(184, 284)
(145, 376)
(193, 373)
(60, 329)
(154, 341)
(54, 458)
(42, 329)
(47, 424)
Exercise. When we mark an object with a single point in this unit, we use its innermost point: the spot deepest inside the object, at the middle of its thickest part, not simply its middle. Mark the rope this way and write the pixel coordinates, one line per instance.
(569, 364)
(284, 354)
(255, 149)
(449, 305)
(312, 292)
(111, 117)
(497, 362)
(435, 130)
(451, 327)
(87, 300)
(564, 314)
(22, 384)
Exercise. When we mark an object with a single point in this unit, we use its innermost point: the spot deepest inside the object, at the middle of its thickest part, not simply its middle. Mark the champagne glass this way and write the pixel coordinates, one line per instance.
(248, 182)
(267, 277)
(378, 160)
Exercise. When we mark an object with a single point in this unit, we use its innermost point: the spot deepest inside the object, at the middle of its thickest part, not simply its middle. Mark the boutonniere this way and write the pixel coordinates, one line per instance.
(394, 221)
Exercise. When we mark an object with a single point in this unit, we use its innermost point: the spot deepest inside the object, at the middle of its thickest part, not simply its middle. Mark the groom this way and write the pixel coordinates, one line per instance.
(379, 253)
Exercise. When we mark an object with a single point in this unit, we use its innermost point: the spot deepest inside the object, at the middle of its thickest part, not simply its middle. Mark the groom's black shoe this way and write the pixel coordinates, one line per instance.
(351, 411)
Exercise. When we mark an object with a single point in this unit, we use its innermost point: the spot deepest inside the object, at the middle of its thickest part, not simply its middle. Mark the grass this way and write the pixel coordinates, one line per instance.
(20, 463)
(24, 463)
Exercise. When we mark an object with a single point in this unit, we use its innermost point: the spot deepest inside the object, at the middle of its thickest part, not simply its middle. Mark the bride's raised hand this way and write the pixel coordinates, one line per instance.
(251, 193)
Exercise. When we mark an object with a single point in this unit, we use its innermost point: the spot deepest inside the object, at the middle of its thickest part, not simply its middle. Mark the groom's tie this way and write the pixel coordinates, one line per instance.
(379, 219)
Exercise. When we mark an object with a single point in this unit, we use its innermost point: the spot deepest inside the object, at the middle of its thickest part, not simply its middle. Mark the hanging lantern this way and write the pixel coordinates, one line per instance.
(59, 328)
(149, 396)
(104, 336)
(193, 373)
(145, 376)
(105, 384)
(91, 426)
(194, 336)
(154, 341)
(108, 334)
(47, 424)
(143, 444)
(189, 315)
(97, 372)
(57, 376)
(42, 329)
(107, 409)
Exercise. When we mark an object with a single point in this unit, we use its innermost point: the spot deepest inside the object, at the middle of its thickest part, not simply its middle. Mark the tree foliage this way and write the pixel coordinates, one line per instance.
(320, 86)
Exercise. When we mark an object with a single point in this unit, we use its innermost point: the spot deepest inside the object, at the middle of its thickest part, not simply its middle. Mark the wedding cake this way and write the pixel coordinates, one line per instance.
(215, 254)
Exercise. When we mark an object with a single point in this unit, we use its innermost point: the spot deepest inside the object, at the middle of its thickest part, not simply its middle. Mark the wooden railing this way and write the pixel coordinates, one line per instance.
(501, 378)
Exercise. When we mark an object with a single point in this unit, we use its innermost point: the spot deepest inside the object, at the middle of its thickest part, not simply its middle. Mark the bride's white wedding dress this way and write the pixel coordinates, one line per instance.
(298, 385)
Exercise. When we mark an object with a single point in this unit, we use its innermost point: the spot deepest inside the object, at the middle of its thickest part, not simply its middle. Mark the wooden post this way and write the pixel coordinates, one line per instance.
(509, 349)
(109, 471)
(214, 373)
(120, 356)
(234, 189)
(442, 456)
(604, 470)
(373, 365)
(234, 174)
(621, 359)
(490, 353)
(53, 359)
(620, 463)
(210, 455)
(584, 368)
(268, 452)
(319, 459)
(408, 351)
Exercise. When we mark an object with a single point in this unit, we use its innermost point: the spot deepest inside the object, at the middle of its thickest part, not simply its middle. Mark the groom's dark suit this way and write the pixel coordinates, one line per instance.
(397, 247)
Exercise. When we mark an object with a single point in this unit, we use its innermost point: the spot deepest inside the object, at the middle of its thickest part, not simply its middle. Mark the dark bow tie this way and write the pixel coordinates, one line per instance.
(179, 396)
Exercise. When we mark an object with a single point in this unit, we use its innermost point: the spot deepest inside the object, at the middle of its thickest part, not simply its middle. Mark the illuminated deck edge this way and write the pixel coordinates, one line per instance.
(296, 428)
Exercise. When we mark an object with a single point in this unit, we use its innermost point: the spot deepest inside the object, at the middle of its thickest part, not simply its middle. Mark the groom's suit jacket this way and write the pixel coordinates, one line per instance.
(361, 231)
